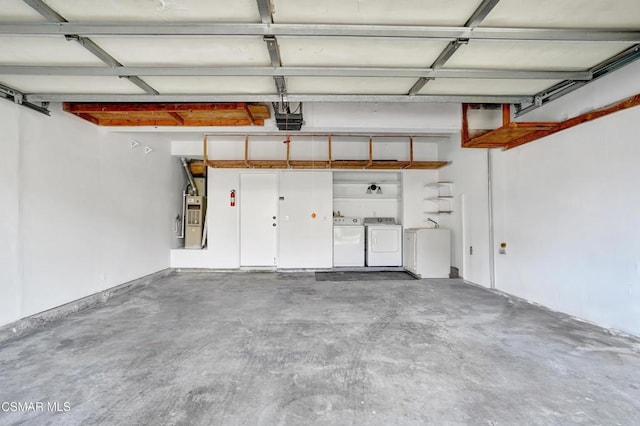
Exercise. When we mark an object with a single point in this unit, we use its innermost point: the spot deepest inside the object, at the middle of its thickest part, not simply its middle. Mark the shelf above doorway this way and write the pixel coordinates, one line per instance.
(329, 163)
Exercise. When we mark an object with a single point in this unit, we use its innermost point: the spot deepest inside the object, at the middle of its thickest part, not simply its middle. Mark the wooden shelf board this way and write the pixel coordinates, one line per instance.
(428, 165)
(514, 134)
(366, 197)
(163, 114)
(336, 164)
(502, 136)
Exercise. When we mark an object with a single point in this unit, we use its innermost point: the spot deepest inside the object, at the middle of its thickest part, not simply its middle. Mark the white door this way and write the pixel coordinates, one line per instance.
(385, 240)
(384, 245)
(306, 223)
(258, 202)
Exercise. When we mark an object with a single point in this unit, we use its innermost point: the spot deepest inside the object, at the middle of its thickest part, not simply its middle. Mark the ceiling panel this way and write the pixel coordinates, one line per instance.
(350, 85)
(359, 52)
(565, 13)
(212, 85)
(44, 51)
(206, 51)
(463, 86)
(18, 11)
(533, 55)
(406, 12)
(157, 10)
(61, 84)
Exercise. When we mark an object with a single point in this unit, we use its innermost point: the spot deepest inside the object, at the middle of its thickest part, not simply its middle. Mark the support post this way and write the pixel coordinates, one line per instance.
(465, 124)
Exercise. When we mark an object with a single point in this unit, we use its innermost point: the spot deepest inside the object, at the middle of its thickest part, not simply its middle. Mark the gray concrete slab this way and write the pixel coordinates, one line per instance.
(267, 348)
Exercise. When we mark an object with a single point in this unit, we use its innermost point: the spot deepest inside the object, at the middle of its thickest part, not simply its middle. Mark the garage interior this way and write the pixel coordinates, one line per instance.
(353, 212)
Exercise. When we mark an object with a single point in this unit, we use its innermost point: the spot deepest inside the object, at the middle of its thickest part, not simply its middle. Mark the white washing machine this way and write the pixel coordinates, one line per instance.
(384, 241)
(348, 241)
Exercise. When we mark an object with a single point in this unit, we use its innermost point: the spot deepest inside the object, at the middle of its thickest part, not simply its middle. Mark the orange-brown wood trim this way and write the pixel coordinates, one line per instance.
(410, 153)
(288, 143)
(370, 153)
(627, 103)
(465, 124)
(252, 119)
(204, 148)
(314, 164)
(246, 152)
(506, 114)
(88, 117)
(177, 117)
(150, 107)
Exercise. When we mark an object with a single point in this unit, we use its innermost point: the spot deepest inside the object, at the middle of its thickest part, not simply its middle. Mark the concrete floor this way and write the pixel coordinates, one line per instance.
(266, 348)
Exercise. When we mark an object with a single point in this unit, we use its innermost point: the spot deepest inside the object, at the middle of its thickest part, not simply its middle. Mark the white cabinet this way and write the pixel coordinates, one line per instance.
(427, 252)
(305, 222)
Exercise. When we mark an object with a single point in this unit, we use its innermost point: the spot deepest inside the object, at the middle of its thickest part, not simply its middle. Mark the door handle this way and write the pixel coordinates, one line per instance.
(273, 224)
(274, 218)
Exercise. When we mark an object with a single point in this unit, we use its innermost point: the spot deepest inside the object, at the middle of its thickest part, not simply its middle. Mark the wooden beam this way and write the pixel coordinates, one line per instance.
(338, 164)
(370, 153)
(151, 107)
(250, 115)
(506, 114)
(288, 143)
(246, 152)
(627, 103)
(204, 149)
(177, 117)
(464, 134)
(88, 117)
(410, 152)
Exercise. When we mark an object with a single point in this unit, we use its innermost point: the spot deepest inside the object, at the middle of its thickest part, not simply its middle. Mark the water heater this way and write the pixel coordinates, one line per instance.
(194, 221)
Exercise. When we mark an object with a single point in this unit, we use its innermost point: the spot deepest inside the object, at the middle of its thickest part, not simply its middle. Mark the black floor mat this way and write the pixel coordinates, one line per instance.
(364, 276)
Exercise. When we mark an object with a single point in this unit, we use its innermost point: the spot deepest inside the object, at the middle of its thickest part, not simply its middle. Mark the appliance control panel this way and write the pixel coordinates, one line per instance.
(379, 221)
(347, 220)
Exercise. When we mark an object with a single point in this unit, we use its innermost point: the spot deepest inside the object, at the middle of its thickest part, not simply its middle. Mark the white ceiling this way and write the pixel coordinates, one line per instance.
(157, 10)
(405, 12)
(388, 53)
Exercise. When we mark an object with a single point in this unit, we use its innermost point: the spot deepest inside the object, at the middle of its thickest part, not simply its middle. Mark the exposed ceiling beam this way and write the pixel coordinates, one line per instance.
(266, 16)
(480, 13)
(294, 71)
(54, 17)
(322, 30)
(476, 18)
(17, 97)
(242, 97)
(274, 51)
(564, 88)
(44, 10)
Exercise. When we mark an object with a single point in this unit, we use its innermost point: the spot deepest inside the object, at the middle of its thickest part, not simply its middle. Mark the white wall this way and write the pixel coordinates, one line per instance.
(566, 206)
(93, 213)
(414, 193)
(9, 213)
(382, 117)
(469, 220)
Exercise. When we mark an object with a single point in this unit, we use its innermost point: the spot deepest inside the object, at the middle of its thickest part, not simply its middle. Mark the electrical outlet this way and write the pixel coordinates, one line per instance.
(503, 248)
